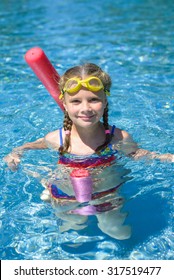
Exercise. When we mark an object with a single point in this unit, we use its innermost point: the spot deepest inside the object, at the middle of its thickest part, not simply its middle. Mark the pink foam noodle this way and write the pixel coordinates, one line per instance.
(82, 184)
(45, 71)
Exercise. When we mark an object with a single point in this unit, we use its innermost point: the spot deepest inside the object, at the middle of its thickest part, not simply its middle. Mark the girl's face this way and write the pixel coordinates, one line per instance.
(85, 108)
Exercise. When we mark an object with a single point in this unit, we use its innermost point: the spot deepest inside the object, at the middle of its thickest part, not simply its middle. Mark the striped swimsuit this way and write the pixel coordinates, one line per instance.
(106, 157)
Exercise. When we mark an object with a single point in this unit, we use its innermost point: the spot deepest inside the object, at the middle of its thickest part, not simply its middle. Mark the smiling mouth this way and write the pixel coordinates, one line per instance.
(86, 117)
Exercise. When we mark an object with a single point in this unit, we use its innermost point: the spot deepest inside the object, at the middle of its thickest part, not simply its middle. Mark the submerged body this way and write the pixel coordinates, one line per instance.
(106, 203)
(107, 173)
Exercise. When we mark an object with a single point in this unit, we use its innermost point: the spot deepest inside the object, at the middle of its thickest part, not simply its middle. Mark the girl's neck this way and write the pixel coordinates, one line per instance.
(87, 139)
(88, 132)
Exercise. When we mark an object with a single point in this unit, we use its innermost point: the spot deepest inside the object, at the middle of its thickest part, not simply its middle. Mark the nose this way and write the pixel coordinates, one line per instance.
(86, 106)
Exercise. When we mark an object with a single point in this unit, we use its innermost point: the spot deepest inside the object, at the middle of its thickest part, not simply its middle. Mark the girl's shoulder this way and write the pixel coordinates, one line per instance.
(52, 139)
(120, 134)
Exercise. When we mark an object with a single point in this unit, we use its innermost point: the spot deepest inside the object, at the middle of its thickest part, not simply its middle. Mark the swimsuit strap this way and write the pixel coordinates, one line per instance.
(112, 133)
(60, 137)
(112, 130)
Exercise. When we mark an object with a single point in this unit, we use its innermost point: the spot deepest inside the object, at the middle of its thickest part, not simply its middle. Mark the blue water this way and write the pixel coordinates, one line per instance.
(133, 41)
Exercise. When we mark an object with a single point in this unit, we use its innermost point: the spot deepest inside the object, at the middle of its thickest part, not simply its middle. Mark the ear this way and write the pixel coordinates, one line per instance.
(64, 104)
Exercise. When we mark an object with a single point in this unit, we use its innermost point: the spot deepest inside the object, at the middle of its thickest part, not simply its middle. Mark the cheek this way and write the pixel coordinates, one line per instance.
(72, 111)
(100, 107)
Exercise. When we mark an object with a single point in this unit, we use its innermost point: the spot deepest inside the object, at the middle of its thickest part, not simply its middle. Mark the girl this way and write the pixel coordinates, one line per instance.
(84, 93)
(86, 142)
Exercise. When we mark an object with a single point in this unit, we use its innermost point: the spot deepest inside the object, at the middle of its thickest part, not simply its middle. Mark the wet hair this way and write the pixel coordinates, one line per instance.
(88, 69)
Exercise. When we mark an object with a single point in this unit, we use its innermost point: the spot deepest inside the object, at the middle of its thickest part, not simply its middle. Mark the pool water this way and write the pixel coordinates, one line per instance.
(133, 41)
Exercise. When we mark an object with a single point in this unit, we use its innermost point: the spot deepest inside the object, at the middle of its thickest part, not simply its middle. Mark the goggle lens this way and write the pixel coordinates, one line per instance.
(95, 83)
(71, 86)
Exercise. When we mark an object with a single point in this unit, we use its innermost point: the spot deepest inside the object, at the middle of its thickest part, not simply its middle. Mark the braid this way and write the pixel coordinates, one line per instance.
(67, 125)
(105, 118)
(106, 126)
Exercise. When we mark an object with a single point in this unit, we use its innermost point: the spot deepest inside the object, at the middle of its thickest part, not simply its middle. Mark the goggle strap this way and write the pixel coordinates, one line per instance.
(107, 92)
(62, 94)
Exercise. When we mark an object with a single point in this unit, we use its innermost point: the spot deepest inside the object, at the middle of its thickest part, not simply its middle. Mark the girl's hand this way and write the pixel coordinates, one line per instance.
(167, 157)
(12, 160)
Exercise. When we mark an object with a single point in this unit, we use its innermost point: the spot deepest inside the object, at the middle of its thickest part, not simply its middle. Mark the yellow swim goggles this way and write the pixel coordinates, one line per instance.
(75, 84)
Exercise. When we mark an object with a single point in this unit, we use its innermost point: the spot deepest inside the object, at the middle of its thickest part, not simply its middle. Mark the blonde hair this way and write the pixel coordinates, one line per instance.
(88, 69)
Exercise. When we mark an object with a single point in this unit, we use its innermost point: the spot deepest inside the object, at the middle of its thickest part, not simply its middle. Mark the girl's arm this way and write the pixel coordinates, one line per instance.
(14, 157)
(51, 141)
(152, 155)
(130, 148)
(138, 153)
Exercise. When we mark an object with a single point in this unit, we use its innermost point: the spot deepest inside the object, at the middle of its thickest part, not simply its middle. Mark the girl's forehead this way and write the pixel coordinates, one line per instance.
(85, 93)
